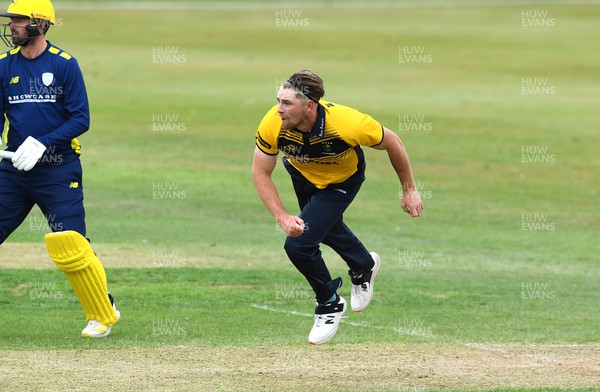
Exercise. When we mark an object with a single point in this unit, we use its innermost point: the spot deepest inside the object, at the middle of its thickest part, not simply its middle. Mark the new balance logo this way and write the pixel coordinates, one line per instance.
(74, 185)
(14, 80)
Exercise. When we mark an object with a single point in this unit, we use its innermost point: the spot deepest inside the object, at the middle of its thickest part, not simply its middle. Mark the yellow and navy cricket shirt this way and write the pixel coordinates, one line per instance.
(330, 153)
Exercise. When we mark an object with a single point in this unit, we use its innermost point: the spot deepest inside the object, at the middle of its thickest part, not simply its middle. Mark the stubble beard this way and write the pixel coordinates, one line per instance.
(21, 40)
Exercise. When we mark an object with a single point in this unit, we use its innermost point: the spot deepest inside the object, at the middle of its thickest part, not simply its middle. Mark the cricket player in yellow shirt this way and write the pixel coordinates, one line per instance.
(321, 146)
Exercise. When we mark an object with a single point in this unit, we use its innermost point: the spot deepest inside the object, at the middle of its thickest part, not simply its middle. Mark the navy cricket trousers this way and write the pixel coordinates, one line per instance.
(56, 189)
(322, 211)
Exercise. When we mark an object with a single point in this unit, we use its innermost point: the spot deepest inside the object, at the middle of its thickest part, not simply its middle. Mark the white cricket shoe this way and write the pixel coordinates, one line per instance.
(96, 329)
(327, 319)
(363, 286)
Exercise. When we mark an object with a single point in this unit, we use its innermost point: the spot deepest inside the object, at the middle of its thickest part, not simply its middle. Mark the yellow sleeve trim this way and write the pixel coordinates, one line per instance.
(15, 50)
(66, 55)
(3, 55)
(76, 146)
(5, 133)
(53, 50)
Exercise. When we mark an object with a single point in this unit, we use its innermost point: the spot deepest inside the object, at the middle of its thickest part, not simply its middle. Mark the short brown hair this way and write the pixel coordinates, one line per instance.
(307, 85)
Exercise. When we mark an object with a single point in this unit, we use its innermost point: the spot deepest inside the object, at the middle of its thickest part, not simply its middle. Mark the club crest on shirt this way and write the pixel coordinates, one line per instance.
(47, 78)
(327, 148)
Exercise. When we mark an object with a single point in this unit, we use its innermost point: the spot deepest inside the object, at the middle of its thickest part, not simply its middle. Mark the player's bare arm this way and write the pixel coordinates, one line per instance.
(262, 169)
(411, 199)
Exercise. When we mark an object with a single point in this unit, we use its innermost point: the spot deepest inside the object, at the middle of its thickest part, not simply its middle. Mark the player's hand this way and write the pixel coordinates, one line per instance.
(28, 154)
(292, 225)
(411, 203)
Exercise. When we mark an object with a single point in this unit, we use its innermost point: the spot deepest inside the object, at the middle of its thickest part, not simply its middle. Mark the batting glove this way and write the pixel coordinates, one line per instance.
(28, 154)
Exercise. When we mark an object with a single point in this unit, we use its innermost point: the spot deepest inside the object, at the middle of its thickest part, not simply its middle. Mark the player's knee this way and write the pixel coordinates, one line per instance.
(299, 248)
(291, 247)
(69, 250)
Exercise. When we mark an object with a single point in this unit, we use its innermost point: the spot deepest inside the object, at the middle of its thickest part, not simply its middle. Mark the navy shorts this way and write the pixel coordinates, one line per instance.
(57, 190)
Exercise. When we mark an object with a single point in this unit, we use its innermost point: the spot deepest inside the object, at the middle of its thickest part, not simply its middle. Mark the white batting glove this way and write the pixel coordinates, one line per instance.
(28, 154)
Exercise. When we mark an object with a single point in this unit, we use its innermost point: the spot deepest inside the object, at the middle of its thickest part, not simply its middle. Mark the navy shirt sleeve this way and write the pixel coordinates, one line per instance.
(76, 107)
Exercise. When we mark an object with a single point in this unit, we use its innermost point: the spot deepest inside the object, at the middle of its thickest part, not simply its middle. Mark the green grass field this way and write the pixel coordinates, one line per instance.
(494, 288)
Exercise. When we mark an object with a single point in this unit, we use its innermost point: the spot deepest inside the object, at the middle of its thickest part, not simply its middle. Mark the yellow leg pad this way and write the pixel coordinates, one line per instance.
(73, 255)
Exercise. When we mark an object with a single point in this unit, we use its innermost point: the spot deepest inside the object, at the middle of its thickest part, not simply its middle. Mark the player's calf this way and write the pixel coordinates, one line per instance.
(73, 255)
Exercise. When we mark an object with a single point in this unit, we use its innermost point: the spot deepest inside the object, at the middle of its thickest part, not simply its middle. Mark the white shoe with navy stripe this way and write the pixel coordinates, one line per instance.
(327, 320)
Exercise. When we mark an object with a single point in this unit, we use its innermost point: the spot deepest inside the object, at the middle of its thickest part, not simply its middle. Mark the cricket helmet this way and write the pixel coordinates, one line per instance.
(33, 9)
(39, 13)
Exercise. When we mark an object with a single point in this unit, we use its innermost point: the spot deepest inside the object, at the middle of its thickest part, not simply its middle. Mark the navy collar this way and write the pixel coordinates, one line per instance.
(319, 127)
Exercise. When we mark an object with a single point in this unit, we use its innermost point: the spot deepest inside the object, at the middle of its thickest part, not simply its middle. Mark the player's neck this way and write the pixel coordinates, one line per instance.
(308, 124)
(35, 47)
